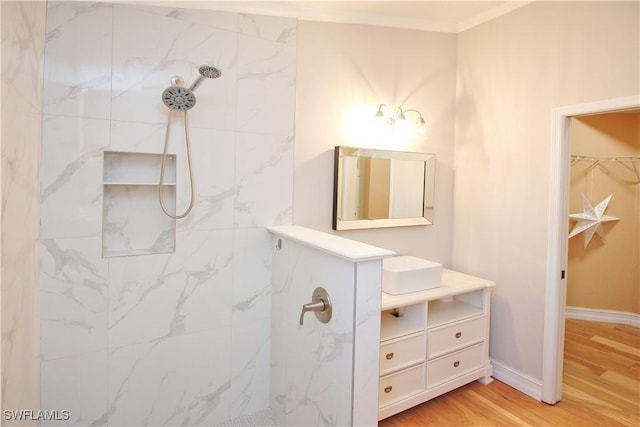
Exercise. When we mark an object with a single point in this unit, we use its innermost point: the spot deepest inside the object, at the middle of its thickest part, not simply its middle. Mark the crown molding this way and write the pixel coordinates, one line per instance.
(491, 14)
(308, 12)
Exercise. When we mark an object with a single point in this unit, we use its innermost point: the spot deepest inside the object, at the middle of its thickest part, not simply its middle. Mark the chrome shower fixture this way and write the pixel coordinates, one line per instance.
(205, 71)
(179, 98)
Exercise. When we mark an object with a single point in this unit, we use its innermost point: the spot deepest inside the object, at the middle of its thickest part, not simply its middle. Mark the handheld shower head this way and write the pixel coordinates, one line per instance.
(205, 71)
(178, 98)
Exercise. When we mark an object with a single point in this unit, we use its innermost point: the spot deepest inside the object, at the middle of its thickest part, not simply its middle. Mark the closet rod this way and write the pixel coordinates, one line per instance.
(621, 159)
(606, 159)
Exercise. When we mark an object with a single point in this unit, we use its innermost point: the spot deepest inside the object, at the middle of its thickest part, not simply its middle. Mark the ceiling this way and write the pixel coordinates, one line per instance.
(450, 16)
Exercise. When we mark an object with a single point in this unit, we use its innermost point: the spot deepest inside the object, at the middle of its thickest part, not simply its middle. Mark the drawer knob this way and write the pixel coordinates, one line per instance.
(389, 356)
(456, 363)
(388, 389)
(458, 334)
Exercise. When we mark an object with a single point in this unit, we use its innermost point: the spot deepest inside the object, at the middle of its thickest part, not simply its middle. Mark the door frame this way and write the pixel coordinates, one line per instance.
(557, 256)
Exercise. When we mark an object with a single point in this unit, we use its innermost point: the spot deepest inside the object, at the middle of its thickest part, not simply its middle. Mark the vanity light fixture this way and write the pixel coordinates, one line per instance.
(397, 116)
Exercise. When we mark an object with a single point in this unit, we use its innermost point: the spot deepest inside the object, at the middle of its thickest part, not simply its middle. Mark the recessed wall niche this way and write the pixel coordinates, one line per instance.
(132, 221)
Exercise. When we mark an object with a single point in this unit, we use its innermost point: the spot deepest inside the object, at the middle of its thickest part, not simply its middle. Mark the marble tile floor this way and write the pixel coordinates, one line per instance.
(262, 418)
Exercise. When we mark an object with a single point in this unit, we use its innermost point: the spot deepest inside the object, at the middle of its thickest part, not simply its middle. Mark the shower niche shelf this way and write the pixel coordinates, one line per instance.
(132, 221)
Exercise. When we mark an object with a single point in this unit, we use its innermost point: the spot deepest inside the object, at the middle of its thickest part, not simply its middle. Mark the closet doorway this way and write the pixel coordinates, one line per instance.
(603, 273)
(603, 270)
(557, 254)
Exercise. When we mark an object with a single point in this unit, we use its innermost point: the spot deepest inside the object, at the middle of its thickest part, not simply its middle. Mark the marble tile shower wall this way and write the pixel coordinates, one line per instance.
(23, 34)
(163, 339)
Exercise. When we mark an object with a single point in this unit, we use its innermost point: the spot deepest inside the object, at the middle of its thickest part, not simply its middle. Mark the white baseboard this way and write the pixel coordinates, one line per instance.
(533, 387)
(607, 316)
(521, 382)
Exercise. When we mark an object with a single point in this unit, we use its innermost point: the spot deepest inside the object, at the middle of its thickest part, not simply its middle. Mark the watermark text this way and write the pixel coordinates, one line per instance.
(36, 414)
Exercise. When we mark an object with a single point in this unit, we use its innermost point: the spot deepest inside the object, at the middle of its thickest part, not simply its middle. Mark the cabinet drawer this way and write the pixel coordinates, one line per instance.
(453, 365)
(398, 386)
(401, 353)
(454, 336)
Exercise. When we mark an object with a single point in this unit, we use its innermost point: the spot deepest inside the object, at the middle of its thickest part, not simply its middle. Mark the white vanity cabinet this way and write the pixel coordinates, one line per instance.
(433, 341)
(402, 353)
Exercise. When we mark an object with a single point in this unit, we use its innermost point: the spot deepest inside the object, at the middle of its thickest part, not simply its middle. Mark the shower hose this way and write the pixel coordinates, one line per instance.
(162, 169)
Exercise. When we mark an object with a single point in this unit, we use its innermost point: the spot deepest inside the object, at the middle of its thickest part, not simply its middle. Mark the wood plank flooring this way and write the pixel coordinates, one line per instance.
(601, 387)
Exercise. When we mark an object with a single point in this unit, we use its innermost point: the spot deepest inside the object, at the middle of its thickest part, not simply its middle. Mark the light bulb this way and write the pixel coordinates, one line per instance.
(402, 127)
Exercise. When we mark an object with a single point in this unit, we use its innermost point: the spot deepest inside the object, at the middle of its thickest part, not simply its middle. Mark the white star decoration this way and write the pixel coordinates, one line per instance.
(591, 219)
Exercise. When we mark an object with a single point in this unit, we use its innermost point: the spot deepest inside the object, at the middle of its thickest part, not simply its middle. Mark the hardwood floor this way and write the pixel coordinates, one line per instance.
(601, 387)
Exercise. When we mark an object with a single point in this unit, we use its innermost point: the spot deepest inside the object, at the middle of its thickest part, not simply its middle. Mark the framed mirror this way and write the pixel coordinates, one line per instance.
(382, 188)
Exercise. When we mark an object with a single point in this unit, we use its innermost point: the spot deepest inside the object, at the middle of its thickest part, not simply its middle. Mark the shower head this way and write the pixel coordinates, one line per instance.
(205, 71)
(209, 72)
(180, 98)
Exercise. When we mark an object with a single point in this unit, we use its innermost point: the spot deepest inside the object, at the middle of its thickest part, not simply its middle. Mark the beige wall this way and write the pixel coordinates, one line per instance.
(606, 275)
(344, 72)
(512, 72)
(23, 27)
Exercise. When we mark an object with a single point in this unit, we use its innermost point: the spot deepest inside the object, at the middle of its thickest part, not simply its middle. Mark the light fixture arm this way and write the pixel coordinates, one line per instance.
(392, 116)
(420, 122)
(411, 110)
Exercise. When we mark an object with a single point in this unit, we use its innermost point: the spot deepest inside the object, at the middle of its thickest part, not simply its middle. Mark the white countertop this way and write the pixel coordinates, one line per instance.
(339, 246)
(453, 283)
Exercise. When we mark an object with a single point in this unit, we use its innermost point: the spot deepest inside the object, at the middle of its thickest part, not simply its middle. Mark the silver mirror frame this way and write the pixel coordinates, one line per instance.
(428, 188)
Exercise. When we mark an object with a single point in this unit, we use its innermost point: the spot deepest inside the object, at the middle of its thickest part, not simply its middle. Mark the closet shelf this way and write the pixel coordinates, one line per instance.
(576, 157)
(595, 160)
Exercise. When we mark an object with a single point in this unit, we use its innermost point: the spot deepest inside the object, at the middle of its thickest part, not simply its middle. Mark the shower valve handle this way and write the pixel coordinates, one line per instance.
(320, 304)
(311, 306)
